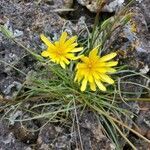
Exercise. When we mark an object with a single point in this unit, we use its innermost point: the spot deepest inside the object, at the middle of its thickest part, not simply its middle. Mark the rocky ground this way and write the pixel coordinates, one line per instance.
(27, 19)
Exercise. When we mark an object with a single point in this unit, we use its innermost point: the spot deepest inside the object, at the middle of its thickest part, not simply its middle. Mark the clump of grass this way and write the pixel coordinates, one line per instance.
(55, 96)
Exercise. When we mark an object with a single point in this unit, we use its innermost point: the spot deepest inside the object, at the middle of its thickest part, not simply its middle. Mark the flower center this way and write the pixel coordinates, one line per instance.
(59, 53)
(89, 66)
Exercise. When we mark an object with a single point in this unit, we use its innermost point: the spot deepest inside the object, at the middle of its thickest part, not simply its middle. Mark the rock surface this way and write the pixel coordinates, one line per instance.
(110, 6)
(133, 47)
(145, 7)
(143, 119)
(8, 140)
(27, 20)
(61, 4)
(89, 133)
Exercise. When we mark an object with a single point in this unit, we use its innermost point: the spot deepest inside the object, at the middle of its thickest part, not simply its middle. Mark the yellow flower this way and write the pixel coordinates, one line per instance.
(94, 69)
(61, 51)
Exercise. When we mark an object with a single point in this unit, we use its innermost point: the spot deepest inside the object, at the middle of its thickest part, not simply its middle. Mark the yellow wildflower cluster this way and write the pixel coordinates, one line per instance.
(61, 51)
(92, 69)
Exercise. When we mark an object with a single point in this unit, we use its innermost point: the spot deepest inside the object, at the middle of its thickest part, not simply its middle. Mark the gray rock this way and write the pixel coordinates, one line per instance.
(145, 7)
(91, 132)
(18, 33)
(55, 137)
(133, 43)
(113, 6)
(29, 20)
(110, 6)
(8, 86)
(142, 38)
(62, 4)
(26, 132)
(50, 137)
(143, 119)
(8, 140)
(79, 28)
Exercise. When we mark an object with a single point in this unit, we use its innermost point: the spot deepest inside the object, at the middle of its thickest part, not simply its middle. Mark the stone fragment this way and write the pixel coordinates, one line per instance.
(110, 6)
(8, 140)
(145, 7)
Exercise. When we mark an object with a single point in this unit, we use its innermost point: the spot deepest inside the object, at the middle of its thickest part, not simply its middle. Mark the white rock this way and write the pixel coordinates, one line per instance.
(92, 5)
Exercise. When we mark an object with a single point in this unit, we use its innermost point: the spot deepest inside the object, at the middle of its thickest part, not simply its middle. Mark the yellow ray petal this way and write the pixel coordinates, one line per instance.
(90, 78)
(100, 64)
(77, 49)
(108, 57)
(100, 85)
(56, 44)
(50, 50)
(62, 64)
(92, 86)
(102, 70)
(57, 60)
(111, 70)
(70, 47)
(93, 53)
(96, 75)
(84, 59)
(70, 56)
(47, 41)
(52, 56)
(78, 77)
(65, 60)
(70, 41)
(63, 38)
(84, 84)
(53, 60)
(106, 78)
(45, 53)
(80, 66)
(105, 70)
(111, 63)
(77, 57)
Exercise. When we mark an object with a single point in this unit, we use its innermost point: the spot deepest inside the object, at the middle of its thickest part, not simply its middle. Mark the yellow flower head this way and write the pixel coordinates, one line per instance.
(94, 69)
(61, 51)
